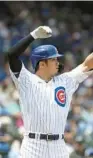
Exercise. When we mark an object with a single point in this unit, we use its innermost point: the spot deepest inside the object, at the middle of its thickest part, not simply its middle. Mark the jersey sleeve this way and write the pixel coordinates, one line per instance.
(77, 76)
(23, 77)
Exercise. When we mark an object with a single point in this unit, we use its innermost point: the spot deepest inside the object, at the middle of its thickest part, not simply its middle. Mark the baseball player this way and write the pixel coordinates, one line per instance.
(44, 96)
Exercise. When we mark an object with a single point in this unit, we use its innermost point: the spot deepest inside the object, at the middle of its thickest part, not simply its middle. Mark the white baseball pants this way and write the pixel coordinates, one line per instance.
(33, 148)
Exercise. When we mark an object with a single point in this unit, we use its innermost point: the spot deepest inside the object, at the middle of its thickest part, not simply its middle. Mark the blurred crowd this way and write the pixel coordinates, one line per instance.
(73, 36)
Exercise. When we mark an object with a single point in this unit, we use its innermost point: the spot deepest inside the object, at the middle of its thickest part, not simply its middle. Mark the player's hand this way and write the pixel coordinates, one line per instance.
(42, 32)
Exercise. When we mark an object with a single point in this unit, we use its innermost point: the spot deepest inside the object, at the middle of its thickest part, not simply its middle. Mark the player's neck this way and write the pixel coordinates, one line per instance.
(43, 75)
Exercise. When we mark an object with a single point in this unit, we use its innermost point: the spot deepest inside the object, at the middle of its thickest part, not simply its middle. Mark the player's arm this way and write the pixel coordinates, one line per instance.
(84, 70)
(17, 50)
(87, 65)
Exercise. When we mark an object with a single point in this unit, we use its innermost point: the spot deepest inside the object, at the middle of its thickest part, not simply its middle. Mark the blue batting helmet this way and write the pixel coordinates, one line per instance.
(44, 52)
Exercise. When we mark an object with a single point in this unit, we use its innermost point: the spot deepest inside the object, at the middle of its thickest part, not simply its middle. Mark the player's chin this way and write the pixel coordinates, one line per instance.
(56, 71)
(54, 74)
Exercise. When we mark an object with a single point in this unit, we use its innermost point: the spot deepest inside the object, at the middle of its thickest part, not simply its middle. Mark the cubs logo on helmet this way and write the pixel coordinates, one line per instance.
(60, 96)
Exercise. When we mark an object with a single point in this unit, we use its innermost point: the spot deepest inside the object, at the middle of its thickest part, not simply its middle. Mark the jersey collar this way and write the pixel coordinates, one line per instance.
(40, 80)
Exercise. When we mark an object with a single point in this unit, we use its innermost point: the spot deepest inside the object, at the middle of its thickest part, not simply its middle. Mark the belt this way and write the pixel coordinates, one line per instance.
(46, 136)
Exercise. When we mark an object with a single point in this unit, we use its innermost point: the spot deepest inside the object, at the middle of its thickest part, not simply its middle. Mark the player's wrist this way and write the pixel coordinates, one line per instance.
(33, 34)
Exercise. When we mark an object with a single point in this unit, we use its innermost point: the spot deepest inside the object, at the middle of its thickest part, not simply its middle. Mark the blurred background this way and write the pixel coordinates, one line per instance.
(72, 25)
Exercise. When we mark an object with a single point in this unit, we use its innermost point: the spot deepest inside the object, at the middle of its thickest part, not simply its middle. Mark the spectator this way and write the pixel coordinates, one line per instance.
(89, 153)
(79, 148)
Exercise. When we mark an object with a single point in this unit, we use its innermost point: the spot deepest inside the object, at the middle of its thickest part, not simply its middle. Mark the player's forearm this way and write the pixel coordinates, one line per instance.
(14, 53)
(88, 63)
(20, 47)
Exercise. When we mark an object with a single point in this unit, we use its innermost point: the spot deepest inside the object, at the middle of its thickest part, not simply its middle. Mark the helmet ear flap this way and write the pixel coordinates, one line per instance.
(35, 61)
(37, 66)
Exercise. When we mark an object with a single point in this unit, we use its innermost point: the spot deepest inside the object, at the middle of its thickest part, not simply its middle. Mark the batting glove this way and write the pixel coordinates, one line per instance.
(42, 32)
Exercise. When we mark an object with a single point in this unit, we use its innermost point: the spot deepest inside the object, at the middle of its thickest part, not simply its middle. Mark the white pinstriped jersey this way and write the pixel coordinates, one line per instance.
(44, 105)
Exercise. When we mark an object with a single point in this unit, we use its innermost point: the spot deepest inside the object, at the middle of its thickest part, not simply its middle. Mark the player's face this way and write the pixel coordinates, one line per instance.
(52, 66)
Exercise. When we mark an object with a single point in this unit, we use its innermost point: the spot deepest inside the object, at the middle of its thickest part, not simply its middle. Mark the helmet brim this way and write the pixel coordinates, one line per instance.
(55, 56)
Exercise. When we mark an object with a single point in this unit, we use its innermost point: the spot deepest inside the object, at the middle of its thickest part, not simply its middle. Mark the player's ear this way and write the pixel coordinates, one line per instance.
(41, 64)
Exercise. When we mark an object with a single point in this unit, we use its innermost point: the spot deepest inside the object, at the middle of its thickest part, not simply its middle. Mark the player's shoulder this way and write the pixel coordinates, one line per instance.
(30, 75)
(62, 76)
(24, 74)
(63, 79)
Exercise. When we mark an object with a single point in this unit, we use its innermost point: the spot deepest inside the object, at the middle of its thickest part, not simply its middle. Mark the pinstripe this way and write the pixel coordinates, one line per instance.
(40, 148)
(48, 151)
(45, 152)
(29, 103)
(49, 111)
(64, 151)
(42, 111)
(39, 109)
(35, 112)
(36, 149)
(56, 148)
